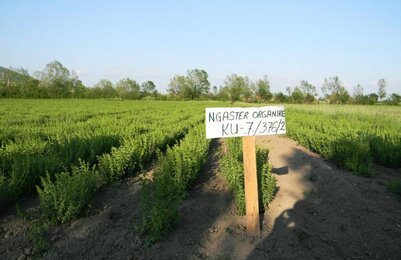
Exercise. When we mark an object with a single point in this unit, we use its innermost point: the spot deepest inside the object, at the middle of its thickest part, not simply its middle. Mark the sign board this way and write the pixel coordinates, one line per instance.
(251, 121)
(247, 122)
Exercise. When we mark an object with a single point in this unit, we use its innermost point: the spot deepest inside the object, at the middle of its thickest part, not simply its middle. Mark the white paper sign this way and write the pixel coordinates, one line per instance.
(241, 121)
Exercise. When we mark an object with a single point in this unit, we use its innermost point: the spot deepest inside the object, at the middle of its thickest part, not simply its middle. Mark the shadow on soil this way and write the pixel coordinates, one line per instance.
(200, 215)
(333, 214)
(210, 227)
(341, 216)
(280, 170)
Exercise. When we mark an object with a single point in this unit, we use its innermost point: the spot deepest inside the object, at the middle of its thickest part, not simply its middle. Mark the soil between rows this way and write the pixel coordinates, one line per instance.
(319, 212)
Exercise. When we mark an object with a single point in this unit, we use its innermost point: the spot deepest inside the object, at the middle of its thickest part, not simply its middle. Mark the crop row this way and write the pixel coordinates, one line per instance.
(65, 196)
(174, 173)
(352, 140)
(61, 142)
(70, 193)
(232, 168)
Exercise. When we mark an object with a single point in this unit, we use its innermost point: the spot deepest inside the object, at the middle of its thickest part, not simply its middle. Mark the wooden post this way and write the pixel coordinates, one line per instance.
(251, 185)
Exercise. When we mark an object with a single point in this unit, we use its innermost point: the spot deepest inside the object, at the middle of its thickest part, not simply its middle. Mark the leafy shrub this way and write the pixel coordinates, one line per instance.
(136, 152)
(232, 168)
(37, 235)
(353, 155)
(174, 173)
(269, 186)
(24, 166)
(387, 150)
(159, 201)
(65, 197)
(35, 140)
(320, 128)
(114, 165)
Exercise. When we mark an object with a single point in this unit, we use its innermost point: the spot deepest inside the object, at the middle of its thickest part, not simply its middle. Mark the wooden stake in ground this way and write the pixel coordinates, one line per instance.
(222, 122)
(251, 185)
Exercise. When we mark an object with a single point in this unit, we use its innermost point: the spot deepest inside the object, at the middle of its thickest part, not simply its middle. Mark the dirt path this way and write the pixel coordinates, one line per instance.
(319, 212)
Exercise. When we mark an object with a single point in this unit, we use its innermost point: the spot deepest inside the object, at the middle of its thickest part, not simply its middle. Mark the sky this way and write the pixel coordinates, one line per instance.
(290, 41)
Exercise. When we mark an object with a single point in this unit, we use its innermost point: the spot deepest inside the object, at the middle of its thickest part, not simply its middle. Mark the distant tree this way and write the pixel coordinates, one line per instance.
(17, 83)
(95, 92)
(223, 94)
(342, 95)
(191, 86)
(198, 82)
(3, 89)
(309, 91)
(288, 89)
(331, 85)
(358, 91)
(128, 88)
(358, 94)
(215, 91)
(106, 89)
(178, 86)
(372, 98)
(248, 95)
(307, 88)
(148, 88)
(382, 89)
(280, 98)
(333, 90)
(81, 91)
(262, 89)
(297, 95)
(394, 99)
(237, 87)
(57, 79)
(76, 85)
(21, 71)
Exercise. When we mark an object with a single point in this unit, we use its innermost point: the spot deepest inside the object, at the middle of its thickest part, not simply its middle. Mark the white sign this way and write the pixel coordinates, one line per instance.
(240, 121)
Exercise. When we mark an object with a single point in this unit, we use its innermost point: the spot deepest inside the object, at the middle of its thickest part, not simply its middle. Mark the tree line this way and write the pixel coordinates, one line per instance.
(56, 81)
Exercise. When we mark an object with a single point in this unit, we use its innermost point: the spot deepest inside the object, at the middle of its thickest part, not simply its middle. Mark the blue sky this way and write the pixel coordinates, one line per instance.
(359, 41)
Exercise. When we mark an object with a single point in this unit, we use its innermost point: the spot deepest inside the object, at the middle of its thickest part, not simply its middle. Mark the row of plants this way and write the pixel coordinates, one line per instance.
(175, 171)
(19, 172)
(352, 140)
(232, 168)
(69, 193)
(36, 140)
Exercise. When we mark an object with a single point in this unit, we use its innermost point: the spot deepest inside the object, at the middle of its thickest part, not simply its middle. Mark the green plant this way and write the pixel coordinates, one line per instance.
(175, 171)
(268, 185)
(159, 201)
(118, 138)
(64, 198)
(232, 168)
(37, 235)
(370, 133)
(37, 231)
(353, 155)
(387, 150)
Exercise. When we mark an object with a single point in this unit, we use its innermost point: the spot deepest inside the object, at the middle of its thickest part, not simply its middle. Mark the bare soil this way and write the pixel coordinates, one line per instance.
(319, 212)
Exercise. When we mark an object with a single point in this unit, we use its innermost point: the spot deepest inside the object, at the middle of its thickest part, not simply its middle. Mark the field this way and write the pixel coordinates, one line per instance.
(53, 136)
(67, 152)
(352, 136)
